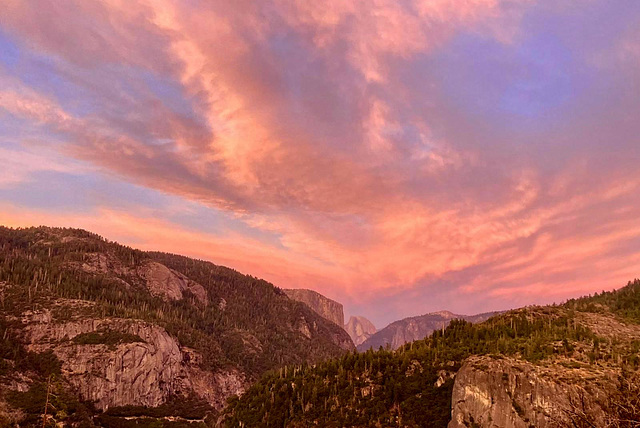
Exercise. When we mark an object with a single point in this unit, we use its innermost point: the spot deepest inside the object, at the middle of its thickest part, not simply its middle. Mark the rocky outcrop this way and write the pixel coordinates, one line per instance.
(325, 307)
(407, 330)
(359, 329)
(145, 368)
(169, 284)
(101, 263)
(215, 388)
(511, 393)
(157, 278)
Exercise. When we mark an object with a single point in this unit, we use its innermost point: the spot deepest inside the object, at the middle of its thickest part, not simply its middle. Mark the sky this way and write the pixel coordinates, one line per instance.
(399, 156)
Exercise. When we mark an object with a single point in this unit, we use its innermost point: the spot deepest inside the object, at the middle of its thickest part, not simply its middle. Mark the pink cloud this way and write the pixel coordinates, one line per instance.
(313, 122)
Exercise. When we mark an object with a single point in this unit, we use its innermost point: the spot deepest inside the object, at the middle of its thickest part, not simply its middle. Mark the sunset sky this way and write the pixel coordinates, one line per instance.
(399, 156)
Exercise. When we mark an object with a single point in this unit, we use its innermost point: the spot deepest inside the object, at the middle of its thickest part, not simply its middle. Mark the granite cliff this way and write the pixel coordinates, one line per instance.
(325, 307)
(507, 392)
(578, 386)
(114, 362)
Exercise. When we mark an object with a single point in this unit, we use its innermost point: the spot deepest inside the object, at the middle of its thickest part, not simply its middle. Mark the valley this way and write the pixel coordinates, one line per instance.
(110, 336)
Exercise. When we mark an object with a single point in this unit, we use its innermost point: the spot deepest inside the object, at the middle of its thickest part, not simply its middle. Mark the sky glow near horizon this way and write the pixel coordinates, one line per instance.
(399, 156)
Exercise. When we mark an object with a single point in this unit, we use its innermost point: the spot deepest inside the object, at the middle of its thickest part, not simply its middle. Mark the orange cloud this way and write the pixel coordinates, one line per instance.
(327, 125)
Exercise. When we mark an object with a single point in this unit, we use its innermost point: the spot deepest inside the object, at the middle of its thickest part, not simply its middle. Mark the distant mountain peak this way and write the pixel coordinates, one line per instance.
(359, 328)
(409, 329)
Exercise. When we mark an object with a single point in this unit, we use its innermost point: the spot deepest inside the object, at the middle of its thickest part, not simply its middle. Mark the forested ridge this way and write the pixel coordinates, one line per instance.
(36, 263)
(412, 387)
(246, 324)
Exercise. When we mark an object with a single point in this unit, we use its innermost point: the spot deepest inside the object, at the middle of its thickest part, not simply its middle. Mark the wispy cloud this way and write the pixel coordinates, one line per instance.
(380, 149)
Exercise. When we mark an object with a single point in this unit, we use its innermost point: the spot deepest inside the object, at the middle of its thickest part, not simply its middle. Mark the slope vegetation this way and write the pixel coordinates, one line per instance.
(114, 327)
(580, 361)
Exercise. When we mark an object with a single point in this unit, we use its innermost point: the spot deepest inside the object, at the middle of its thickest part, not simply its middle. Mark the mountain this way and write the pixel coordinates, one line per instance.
(407, 330)
(115, 334)
(359, 329)
(325, 307)
(570, 365)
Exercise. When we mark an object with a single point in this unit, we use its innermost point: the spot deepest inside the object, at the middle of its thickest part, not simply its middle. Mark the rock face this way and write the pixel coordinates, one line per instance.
(325, 307)
(510, 393)
(144, 368)
(171, 285)
(155, 277)
(407, 330)
(359, 329)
